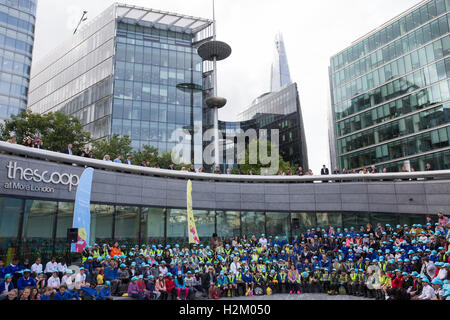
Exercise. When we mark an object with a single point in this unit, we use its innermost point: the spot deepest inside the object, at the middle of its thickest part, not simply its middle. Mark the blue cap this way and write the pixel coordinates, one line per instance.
(122, 265)
(437, 282)
(107, 283)
(134, 279)
(8, 275)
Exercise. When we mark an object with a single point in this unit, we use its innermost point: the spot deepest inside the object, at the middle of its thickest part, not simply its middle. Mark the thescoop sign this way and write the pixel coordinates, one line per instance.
(28, 174)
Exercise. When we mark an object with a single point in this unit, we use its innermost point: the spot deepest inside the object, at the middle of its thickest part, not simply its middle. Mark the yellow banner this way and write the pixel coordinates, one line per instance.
(193, 235)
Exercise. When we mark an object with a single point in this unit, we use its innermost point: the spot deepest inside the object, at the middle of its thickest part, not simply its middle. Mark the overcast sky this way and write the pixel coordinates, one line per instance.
(313, 31)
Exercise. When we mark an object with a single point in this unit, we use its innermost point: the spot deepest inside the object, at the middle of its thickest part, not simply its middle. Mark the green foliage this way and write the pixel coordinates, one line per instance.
(56, 130)
(256, 168)
(115, 146)
(148, 153)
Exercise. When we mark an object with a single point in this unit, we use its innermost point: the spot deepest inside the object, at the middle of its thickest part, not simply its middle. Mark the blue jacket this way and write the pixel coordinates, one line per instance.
(111, 273)
(12, 269)
(3, 286)
(90, 291)
(44, 297)
(22, 283)
(180, 285)
(59, 296)
(2, 273)
(247, 278)
(73, 294)
(105, 293)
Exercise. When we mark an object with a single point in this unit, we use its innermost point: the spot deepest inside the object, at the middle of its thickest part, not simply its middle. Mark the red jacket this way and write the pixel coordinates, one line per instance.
(397, 282)
(141, 286)
(170, 284)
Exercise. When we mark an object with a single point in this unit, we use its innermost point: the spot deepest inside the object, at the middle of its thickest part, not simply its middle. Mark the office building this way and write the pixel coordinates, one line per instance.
(17, 21)
(131, 71)
(390, 93)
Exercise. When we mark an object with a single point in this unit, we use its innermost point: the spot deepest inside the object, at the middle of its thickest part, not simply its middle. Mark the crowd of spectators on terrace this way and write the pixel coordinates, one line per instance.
(84, 152)
(402, 262)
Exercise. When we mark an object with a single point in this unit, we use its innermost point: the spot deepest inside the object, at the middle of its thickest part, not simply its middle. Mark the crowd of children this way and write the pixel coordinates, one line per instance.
(390, 262)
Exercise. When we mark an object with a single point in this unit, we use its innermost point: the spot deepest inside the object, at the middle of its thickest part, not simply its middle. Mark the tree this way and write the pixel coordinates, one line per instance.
(256, 168)
(56, 130)
(115, 146)
(149, 153)
(64, 129)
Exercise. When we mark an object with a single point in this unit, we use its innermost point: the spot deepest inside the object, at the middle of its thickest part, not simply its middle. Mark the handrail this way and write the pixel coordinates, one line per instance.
(46, 155)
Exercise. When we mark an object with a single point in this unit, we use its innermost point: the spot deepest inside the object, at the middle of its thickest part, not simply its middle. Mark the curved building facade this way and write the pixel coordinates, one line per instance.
(136, 205)
(17, 22)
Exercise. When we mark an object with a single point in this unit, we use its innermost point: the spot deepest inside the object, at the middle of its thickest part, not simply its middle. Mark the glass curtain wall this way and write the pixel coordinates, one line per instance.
(153, 224)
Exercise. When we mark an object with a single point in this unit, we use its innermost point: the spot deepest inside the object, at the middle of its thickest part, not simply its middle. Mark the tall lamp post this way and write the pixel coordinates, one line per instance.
(215, 51)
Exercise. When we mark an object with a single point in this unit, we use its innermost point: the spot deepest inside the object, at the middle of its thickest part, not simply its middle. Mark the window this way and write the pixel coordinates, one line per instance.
(252, 223)
(301, 221)
(101, 223)
(152, 225)
(127, 225)
(278, 224)
(37, 228)
(228, 223)
(177, 226)
(10, 216)
(64, 222)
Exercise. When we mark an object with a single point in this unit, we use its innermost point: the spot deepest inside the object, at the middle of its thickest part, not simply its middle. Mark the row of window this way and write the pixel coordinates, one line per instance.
(416, 39)
(142, 91)
(45, 223)
(153, 131)
(398, 28)
(156, 74)
(16, 19)
(71, 89)
(438, 160)
(406, 64)
(139, 30)
(14, 67)
(177, 57)
(77, 70)
(13, 101)
(15, 44)
(24, 5)
(145, 111)
(7, 111)
(16, 90)
(424, 142)
(64, 63)
(283, 102)
(410, 103)
(411, 82)
(413, 124)
(89, 96)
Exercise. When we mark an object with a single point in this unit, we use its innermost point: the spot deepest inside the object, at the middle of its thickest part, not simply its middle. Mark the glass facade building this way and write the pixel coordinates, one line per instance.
(280, 75)
(390, 93)
(129, 71)
(279, 110)
(17, 21)
(32, 227)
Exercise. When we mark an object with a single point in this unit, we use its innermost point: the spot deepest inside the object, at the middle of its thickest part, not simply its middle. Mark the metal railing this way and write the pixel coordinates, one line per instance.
(33, 153)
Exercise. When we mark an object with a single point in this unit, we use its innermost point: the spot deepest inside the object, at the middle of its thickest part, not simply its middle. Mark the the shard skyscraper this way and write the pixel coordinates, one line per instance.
(279, 109)
(280, 75)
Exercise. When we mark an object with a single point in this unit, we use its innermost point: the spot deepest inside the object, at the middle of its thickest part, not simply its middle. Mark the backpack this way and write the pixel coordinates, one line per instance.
(216, 294)
(258, 291)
